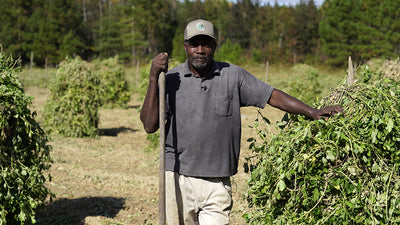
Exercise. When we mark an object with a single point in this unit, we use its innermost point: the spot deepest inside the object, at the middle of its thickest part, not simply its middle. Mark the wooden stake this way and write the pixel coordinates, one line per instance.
(137, 73)
(161, 210)
(350, 73)
(31, 65)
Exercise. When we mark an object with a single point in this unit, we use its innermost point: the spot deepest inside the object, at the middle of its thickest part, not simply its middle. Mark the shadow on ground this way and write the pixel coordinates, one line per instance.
(74, 211)
(134, 106)
(115, 131)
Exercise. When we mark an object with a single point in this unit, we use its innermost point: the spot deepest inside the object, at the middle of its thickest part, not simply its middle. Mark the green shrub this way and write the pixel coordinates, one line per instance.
(72, 109)
(229, 52)
(305, 85)
(178, 50)
(24, 150)
(344, 170)
(113, 85)
(257, 56)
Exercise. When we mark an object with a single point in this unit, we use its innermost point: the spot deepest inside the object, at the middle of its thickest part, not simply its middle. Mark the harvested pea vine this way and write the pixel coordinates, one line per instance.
(344, 170)
(24, 150)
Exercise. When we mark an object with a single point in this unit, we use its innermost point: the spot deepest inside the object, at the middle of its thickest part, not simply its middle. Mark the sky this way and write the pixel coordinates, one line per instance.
(287, 2)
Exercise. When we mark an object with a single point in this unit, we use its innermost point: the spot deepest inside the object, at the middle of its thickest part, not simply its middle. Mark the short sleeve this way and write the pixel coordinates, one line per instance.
(252, 91)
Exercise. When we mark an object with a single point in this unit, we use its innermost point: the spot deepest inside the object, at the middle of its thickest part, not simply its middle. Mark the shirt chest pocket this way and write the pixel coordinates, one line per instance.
(224, 105)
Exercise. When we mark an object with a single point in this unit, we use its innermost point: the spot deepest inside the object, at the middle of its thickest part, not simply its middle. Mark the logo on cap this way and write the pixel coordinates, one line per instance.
(201, 27)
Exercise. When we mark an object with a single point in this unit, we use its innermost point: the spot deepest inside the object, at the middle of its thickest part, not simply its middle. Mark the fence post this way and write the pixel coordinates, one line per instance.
(350, 73)
(137, 73)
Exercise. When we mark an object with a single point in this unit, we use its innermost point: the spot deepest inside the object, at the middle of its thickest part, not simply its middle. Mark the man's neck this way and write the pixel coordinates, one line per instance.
(200, 72)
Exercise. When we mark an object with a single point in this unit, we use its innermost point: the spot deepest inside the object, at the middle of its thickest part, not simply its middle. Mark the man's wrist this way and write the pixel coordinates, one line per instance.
(153, 79)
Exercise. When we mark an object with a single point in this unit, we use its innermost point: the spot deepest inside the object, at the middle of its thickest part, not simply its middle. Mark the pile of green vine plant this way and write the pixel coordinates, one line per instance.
(72, 109)
(305, 85)
(343, 170)
(113, 85)
(24, 150)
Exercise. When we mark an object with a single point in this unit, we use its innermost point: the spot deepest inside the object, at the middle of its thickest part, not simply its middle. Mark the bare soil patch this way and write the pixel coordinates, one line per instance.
(112, 179)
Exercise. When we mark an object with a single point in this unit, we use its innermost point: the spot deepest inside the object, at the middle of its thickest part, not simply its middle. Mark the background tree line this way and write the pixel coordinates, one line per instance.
(46, 31)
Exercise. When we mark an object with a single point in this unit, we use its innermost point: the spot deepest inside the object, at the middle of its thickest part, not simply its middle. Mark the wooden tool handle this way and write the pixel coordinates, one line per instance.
(161, 210)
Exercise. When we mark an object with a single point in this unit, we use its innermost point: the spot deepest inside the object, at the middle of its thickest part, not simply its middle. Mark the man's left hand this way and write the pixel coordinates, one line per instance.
(327, 112)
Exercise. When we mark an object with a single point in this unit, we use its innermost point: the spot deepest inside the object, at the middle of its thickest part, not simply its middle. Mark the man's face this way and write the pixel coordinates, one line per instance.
(200, 51)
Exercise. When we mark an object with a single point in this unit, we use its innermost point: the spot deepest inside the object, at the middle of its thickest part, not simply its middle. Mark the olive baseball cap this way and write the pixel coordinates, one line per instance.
(199, 27)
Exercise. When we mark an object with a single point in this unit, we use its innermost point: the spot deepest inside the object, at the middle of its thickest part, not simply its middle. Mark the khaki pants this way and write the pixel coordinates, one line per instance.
(197, 201)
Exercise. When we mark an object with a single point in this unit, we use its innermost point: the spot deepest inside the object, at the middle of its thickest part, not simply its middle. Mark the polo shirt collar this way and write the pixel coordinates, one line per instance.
(215, 70)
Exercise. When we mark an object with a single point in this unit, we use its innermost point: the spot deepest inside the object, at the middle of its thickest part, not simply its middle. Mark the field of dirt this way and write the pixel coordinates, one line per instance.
(112, 179)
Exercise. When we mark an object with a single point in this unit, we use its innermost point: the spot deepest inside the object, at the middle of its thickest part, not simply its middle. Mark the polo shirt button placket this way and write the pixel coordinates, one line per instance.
(203, 87)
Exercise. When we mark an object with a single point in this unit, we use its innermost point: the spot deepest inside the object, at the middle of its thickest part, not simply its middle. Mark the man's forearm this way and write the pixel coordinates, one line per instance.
(150, 111)
(287, 103)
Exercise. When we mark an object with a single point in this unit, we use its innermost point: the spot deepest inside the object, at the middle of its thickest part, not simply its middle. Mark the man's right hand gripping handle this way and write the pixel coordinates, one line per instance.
(149, 115)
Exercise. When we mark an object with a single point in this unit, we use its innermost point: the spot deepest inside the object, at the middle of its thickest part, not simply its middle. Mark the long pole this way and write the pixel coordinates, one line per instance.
(161, 209)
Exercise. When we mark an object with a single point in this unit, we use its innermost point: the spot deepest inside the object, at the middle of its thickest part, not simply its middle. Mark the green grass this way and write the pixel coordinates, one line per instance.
(37, 77)
(131, 73)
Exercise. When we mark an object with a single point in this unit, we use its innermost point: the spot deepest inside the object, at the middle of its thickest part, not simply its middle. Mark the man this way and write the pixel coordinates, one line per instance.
(203, 128)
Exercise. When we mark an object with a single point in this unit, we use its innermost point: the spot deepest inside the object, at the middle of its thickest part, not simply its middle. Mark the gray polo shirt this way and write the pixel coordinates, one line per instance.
(203, 125)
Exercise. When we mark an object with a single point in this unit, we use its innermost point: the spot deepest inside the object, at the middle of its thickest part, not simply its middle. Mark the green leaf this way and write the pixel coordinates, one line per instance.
(246, 167)
(22, 216)
(250, 139)
(352, 170)
(389, 126)
(281, 185)
(373, 135)
(330, 156)
(350, 204)
(316, 195)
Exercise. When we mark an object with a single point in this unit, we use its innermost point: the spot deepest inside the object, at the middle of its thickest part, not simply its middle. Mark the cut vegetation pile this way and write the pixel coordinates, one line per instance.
(344, 170)
(72, 109)
(79, 90)
(24, 150)
(391, 69)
